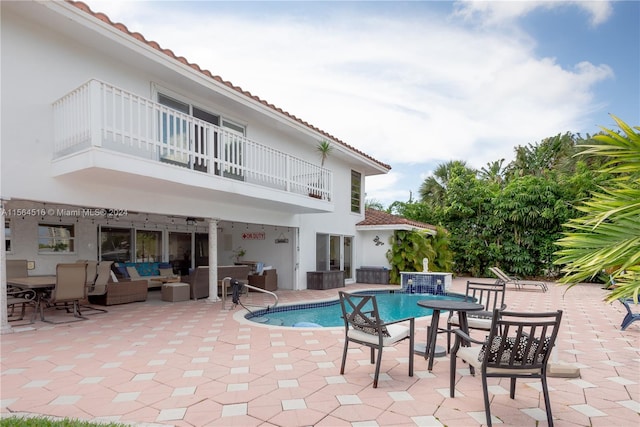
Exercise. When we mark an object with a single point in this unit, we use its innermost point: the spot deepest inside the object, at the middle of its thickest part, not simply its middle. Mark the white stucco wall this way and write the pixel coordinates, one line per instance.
(41, 64)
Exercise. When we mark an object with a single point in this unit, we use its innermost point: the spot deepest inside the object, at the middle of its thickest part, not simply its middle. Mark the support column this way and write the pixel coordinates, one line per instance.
(5, 327)
(213, 260)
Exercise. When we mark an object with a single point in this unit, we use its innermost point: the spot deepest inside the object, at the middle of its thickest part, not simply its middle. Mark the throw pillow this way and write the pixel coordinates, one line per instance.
(508, 349)
(361, 324)
(133, 273)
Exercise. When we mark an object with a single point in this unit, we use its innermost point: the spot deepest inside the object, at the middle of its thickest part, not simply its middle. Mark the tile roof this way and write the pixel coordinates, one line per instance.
(373, 217)
(104, 18)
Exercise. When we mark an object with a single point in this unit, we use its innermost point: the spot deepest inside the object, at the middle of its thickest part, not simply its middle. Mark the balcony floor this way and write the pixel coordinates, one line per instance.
(192, 364)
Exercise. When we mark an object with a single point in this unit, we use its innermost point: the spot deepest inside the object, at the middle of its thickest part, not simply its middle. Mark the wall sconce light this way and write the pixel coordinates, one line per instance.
(191, 221)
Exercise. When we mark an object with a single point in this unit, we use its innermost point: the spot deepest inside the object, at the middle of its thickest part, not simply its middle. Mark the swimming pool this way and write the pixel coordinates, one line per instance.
(392, 306)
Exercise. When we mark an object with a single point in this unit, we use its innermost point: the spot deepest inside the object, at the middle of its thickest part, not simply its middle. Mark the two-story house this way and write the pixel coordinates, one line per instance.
(116, 148)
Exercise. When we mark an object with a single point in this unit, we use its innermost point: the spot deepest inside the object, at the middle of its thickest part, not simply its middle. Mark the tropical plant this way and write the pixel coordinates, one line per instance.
(324, 148)
(238, 253)
(607, 236)
(408, 248)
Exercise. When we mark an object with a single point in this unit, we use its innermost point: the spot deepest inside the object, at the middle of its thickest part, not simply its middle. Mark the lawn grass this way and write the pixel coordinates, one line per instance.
(15, 421)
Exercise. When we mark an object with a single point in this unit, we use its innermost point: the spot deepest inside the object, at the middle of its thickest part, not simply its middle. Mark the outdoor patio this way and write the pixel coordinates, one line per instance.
(193, 364)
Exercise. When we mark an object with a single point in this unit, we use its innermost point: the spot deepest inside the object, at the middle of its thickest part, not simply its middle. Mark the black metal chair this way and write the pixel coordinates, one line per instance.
(363, 326)
(518, 346)
(491, 295)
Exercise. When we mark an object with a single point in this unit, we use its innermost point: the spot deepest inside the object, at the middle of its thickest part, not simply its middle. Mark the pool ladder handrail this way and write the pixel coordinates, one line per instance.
(226, 281)
(264, 291)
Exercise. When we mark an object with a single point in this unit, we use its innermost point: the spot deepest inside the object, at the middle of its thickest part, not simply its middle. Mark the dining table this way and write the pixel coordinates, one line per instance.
(438, 305)
(41, 285)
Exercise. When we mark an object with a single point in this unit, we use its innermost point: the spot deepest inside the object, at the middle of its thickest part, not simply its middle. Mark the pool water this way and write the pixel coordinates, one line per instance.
(392, 306)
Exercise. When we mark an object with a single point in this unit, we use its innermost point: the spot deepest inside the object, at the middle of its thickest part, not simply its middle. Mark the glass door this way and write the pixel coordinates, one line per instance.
(180, 252)
(334, 252)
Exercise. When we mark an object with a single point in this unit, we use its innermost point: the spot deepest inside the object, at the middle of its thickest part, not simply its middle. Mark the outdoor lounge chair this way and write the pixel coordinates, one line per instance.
(518, 346)
(519, 283)
(363, 326)
(491, 295)
(631, 316)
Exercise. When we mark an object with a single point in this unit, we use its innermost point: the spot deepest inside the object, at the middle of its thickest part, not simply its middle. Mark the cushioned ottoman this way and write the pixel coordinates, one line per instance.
(174, 292)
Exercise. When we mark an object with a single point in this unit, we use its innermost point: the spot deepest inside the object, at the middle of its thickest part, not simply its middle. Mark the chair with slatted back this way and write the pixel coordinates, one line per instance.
(491, 295)
(518, 346)
(364, 326)
(70, 287)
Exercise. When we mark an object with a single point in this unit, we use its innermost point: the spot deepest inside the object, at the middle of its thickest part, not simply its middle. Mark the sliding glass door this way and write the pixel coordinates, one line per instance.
(334, 252)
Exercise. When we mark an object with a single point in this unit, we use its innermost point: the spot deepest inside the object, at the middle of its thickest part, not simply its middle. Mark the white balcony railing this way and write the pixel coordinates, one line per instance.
(100, 115)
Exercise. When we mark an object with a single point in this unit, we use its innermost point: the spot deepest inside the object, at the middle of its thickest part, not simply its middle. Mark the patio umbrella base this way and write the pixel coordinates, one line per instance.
(419, 349)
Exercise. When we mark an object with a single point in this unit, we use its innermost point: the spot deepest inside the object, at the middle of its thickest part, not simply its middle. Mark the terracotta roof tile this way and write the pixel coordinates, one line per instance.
(373, 217)
(101, 16)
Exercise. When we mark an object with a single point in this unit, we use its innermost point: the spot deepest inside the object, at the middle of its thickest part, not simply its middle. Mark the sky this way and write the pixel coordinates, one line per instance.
(420, 83)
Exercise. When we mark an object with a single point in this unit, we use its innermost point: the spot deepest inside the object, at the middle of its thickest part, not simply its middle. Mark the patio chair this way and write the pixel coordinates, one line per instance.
(514, 280)
(99, 287)
(491, 295)
(16, 268)
(363, 326)
(70, 288)
(92, 272)
(631, 316)
(17, 296)
(518, 346)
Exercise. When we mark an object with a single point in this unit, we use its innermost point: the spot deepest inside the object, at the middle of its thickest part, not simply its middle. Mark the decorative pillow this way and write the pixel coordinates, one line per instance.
(166, 271)
(121, 270)
(509, 348)
(494, 347)
(360, 323)
(534, 347)
(145, 269)
(133, 273)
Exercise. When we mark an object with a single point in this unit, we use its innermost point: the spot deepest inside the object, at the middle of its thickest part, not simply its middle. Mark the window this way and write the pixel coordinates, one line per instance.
(7, 236)
(115, 244)
(148, 246)
(55, 238)
(356, 191)
(181, 137)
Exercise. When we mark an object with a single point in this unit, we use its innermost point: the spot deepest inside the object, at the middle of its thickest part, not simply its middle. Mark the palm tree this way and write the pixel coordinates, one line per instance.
(607, 237)
(433, 189)
(493, 172)
(324, 148)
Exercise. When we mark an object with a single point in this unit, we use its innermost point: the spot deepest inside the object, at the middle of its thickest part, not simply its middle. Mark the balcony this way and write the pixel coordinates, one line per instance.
(99, 115)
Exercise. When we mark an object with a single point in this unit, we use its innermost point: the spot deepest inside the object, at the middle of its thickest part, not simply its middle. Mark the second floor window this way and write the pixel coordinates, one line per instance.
(356, 192)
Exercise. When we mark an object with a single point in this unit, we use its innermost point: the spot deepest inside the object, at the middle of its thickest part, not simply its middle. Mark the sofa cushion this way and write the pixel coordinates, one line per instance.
(121, 270)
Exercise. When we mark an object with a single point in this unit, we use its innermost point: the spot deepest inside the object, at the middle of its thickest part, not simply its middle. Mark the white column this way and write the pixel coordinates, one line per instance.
(213, 260)
(5, 327)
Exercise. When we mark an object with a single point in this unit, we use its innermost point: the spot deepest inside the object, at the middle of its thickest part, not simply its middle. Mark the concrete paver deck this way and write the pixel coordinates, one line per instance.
(193, 363)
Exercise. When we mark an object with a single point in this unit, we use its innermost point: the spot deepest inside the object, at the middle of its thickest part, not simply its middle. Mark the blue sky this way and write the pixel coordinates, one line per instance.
(415, 84)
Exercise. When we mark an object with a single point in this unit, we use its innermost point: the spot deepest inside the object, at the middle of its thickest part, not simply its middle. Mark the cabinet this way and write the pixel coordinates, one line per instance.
(373, 275)
(268, 280)
(325, 279)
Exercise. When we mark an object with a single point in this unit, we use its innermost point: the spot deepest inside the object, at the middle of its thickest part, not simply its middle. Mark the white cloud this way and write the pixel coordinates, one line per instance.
(405, 89)
(505, 12)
